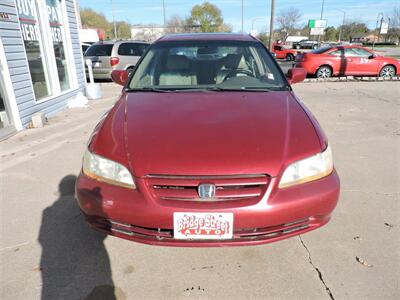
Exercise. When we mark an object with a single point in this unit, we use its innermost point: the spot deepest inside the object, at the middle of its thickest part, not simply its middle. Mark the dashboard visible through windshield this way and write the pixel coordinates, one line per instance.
(213, 65)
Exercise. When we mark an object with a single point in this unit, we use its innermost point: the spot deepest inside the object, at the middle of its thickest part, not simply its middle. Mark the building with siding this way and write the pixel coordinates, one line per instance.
(41, 63)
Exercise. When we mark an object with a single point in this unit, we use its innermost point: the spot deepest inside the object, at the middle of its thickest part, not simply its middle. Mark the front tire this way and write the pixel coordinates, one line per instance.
(324, 72)
(387, 72)
(290, 57)
(297, 47)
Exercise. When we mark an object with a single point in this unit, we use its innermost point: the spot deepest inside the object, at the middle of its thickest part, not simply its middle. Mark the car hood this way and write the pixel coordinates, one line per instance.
(211, 133)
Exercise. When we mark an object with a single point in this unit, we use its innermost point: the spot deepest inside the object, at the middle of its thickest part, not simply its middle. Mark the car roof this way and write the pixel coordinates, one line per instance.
(130, 41)
(206, 36)
(119, 42)
(104, 43)
(338, 47)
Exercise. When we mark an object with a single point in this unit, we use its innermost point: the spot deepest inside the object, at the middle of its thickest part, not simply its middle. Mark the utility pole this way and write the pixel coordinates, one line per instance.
(113, 16)
(163, 7)
(322, 13)
(242, 16)
(271, 24)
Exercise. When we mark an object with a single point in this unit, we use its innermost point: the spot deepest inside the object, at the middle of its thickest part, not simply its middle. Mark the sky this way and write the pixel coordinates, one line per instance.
(256, 12)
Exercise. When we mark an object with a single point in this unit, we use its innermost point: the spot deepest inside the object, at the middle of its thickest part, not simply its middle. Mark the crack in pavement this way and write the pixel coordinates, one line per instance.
(328, 290)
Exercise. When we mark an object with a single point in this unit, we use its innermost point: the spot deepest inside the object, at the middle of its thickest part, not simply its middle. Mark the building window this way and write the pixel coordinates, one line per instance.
(43, 30)
(58, 37)
(34, 49)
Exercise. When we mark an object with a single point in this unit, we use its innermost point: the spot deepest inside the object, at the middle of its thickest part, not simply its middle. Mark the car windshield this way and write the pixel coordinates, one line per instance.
(209, 65)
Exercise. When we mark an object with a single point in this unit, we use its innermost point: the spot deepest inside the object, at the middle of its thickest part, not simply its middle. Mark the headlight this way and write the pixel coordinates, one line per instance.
(106, 170)
(308, 169)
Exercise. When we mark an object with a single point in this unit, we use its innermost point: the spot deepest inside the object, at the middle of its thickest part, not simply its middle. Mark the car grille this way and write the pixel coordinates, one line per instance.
(184, 188)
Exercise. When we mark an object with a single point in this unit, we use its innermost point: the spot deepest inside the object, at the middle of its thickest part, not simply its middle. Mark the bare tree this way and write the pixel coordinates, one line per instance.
(394, 26)
(288, 20)
(175, 24)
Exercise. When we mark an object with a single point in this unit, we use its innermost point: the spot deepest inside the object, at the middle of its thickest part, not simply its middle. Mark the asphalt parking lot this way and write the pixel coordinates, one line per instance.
(48, 251)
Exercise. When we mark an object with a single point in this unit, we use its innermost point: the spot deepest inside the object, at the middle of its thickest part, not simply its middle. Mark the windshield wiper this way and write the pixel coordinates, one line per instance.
(239, 89)
(148, 89)
(202, 89)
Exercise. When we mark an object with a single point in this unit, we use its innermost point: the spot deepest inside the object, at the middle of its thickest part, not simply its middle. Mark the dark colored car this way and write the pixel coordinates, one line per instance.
(306, 44)
(207, 146)
(347, 60)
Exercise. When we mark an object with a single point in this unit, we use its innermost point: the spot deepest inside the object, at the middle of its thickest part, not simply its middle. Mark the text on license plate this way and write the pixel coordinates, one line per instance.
(215, 226)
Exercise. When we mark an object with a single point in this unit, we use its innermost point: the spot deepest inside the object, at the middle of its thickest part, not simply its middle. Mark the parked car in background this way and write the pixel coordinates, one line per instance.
(118, 55)
(208, 145)
(284, 53)
(347, 60)
(85, 46)
(306, 44)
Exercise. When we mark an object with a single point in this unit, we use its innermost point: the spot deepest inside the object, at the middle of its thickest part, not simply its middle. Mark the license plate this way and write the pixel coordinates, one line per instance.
(203, 226)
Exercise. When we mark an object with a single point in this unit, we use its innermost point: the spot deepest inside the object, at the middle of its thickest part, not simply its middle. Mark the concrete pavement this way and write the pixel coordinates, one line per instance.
(48, 251)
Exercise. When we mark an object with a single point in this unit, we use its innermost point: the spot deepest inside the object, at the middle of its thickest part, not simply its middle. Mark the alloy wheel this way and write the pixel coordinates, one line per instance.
(324, 72)
(387, 72)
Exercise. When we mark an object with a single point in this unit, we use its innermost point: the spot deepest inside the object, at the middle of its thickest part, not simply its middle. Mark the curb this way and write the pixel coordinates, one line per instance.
(351, 78)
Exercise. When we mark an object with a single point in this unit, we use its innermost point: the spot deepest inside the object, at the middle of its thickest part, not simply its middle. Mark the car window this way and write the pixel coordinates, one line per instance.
(359, 52)
(354, 52)
(84, 48)
(321, 50)
(278, 48)
(99, 50)
(336, 53)
(132, 49)
(207, 64)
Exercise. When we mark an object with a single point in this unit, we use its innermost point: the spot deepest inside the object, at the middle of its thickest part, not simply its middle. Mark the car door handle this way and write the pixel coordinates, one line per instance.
(349, 60)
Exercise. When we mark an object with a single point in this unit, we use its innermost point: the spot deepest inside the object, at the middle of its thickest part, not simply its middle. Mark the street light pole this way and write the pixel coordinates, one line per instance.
(322, 13)
(376, 28)
(271, 24)
(341, 27)
(113, 16)
(163, 7)
(242, 16)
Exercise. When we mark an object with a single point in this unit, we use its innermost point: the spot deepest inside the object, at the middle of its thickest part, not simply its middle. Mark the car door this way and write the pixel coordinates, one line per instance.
(100, 55)
(307, 44)
(278, 51)
(359, 62)
(337, 61)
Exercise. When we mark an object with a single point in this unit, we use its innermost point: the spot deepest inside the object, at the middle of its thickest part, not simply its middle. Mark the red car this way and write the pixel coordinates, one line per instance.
(347, 60)
(284, 53)
(207, 146)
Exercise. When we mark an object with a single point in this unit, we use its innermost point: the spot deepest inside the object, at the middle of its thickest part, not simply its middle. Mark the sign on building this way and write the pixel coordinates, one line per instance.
(317, 27)
(317, 31)
(4, 16)
(384, 27)
(317, 23)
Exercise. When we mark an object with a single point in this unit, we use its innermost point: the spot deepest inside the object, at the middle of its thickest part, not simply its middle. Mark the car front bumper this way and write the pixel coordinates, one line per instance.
(136, 216)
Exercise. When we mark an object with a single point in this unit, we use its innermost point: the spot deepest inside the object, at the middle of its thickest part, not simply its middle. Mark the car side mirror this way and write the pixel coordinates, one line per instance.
(372, 56)
(295, 75)
(119, 76)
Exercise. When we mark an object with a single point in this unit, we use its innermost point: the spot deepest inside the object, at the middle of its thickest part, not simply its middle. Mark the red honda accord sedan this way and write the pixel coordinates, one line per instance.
(347, 60)
(207, 146)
